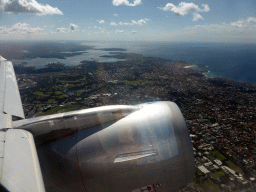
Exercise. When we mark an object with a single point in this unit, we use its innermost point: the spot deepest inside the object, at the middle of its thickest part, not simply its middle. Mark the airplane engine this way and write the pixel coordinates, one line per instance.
(147, 150)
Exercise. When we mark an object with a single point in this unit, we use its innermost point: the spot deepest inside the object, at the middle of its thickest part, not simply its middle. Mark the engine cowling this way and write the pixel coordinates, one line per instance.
(148, 150)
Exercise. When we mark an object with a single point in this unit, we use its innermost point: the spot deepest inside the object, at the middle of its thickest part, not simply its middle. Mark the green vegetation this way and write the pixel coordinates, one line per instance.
(71, 82)
(137, 82)
(51, 97)
(52, 101)
(41, 94)
(211, 157)
(198, 172)
(72, 79)
(207, 186)
(58, 92)
(217, 174)
(55, 87)
(62, 109)
(24, 84)
(78, 94)
(62, 96)
(218, 155)
(234, 167)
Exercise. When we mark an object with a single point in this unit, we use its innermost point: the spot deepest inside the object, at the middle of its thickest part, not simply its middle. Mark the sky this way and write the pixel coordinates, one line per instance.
(130, 20)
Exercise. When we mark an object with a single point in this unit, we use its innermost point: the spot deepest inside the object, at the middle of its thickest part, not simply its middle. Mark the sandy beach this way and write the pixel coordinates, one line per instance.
(189, 66)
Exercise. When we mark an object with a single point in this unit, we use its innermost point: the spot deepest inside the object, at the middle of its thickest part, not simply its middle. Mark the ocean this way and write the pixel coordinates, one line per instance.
(229, 60)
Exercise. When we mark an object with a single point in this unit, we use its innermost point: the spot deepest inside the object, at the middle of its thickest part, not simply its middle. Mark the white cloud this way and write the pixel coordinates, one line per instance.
(113, 23)
(119, 31)
(197, 17)
(206, 8)
(73, 27)
(28, 6)
(97, 27)
(248, 23)
(115, 15)
(184, 8)
(101, 21)
(121, 23)
(133, 32)
(139, 22)
(21, 28)
(126, 2)
(240, 31)
(62, 30)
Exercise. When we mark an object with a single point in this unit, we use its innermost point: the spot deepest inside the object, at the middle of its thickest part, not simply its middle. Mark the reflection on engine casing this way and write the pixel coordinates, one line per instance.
(148, 150)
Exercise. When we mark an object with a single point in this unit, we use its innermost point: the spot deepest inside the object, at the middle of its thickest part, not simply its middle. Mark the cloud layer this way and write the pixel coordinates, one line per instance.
(126, 2)
(101, 21)
(237, 31)
(21, 28)
(139, 22)
(119, 31)
(113, 23)
(62, 30)
(71, 28)
(27, 6)
(184, 8)
(246, 24)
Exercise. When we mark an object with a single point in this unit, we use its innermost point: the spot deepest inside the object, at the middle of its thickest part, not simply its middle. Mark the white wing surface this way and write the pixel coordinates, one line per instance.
(19, 164)
(10, 101)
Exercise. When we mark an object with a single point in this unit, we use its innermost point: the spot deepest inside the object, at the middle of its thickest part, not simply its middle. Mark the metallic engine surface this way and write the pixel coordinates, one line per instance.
(75, 120)
(149, 147)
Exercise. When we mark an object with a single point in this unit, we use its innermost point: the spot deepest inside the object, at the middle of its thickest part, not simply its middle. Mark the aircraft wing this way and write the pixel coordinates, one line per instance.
(19, 164)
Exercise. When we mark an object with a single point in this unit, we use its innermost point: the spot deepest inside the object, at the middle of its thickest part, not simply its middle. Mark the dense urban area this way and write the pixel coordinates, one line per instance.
(220, 113)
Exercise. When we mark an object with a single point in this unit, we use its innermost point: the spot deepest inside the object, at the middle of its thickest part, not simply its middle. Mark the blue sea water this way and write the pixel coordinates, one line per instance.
(230, 60)
(234, 61)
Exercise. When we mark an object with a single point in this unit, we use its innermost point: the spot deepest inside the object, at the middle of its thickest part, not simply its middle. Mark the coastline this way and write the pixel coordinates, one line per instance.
(194, 65)
(204, 72)
(189, 66)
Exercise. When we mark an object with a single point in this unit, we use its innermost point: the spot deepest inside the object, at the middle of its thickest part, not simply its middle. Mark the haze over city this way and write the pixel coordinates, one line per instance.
(147, 20)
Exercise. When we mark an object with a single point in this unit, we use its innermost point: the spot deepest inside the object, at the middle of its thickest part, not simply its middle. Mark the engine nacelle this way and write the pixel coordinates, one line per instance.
(148, 150)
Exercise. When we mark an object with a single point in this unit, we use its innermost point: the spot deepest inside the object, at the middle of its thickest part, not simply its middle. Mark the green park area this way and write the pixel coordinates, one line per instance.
(42, 94)
(51, 97)
(136, 82)
(217, 174)
(62, 109)
(234, 167)
(218, 155)
(70, 82)
(207, 186)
